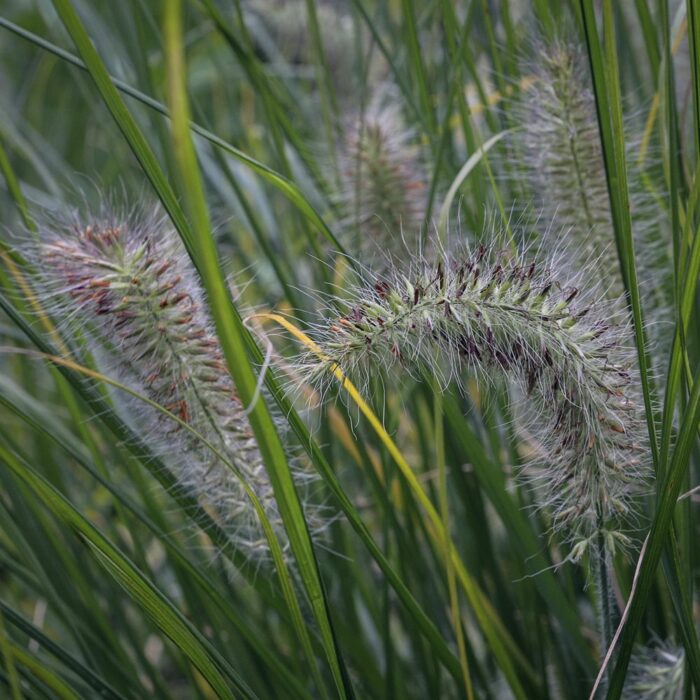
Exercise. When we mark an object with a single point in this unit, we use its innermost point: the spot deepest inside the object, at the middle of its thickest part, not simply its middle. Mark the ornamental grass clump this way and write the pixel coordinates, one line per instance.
(474, 516)
(384, 188)
(131, 285)
(562, 351)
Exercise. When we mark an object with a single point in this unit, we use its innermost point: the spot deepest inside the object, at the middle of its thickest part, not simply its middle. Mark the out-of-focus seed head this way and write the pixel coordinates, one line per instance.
(384, 185)
(563, 169)
(287, 36)
(564, 160)
(656, 673)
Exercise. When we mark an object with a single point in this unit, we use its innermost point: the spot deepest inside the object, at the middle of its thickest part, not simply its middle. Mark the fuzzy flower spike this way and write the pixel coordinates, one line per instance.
(563, 152)
(565, 170)
(564, 355)
(136, 287)
(384, 183)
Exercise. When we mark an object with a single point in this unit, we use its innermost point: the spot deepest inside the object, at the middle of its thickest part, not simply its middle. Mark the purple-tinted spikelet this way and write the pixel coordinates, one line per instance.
(563, 354)
(132, 284)
(384, 190)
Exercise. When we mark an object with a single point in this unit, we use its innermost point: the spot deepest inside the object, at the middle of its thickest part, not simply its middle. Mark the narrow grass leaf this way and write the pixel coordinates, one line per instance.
(231, 332)
(159, 608)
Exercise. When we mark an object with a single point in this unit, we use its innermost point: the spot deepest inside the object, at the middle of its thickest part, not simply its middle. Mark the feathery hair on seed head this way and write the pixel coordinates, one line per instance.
(563, 153)
(561, 351)
(384, 186)
(564, 169)
(132, 283)
(564, 165)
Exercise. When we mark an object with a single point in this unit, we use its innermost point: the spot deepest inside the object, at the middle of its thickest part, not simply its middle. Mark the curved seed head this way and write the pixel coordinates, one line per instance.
(130, 282)
(563, 354)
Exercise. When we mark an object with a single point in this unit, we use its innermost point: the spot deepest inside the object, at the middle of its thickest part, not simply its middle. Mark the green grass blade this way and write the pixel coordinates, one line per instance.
(693, 15)
(444, 507)
(8, 657)
(87, 675)
(14, 188)
(277, 106)
(418, 71)
(329, 477)
(523, 538)
(212, 666)
(605, 74)
(657, 538)
(462, 175)
(389, 57)
(649, 34)
(58, 687)
(22, 405)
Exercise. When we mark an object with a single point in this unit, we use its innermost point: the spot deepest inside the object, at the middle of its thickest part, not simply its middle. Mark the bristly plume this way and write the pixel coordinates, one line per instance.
(656, 673)
(562, 352)
(130, 282)
(564, 167)
(384, 184)
(560, 151)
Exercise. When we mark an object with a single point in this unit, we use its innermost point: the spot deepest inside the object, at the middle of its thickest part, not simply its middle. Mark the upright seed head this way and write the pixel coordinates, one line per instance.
(384, 186)
(562, 352)
(133, 284)
(564, 159)
(564, 169)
